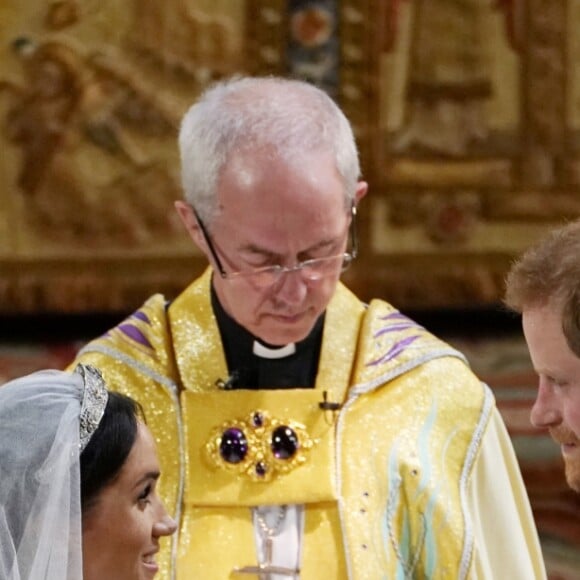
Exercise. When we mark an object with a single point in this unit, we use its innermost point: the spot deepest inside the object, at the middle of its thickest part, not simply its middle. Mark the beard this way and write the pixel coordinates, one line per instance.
(563, 435)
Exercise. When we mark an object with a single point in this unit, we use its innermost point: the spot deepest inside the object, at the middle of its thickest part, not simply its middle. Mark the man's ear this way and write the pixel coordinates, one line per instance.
(361, 190)
(188, 219)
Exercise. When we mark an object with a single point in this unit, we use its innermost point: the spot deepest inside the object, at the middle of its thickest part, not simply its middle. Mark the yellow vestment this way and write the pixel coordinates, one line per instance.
(385, 479)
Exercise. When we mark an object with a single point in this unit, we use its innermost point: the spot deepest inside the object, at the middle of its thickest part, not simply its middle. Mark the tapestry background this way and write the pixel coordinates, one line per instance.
(467, 114)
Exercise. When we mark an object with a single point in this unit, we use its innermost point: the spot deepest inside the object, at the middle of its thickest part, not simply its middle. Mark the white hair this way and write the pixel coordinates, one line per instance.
(288, 117)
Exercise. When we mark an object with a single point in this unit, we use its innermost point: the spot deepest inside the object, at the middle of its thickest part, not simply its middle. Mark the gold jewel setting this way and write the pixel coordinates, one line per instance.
(259, 447)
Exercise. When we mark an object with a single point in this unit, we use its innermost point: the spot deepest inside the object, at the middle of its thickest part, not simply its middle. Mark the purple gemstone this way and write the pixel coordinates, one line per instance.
(284, 442)
(261, 468)
(233, 446)
(257, 419)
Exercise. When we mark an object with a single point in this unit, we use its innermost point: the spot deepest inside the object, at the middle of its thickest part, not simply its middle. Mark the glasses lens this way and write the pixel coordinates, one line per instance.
(346, 262)
(311, 270)
(317, 269)
(265, 278)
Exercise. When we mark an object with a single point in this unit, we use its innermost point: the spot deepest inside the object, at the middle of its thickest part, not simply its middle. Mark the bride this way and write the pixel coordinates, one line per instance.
(78, 476)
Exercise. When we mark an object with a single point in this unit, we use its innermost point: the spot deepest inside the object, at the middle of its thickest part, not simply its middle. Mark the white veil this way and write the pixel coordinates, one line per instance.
(40, 445)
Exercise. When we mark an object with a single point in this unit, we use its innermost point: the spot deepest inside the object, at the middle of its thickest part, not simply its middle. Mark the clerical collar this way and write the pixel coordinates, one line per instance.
(255, 364)
(263, 351)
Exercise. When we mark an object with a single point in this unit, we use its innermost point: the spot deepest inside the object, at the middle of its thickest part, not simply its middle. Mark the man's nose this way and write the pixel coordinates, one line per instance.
(545, 411)
(293, 287)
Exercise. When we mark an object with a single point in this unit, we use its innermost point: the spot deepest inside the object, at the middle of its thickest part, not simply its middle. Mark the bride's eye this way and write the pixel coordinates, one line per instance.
(144, 495)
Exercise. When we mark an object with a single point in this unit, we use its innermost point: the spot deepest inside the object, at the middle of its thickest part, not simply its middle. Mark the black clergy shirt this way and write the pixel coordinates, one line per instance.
(249, 371)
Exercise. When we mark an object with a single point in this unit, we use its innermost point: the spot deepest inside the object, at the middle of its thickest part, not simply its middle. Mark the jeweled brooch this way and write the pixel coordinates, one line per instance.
(259, 447)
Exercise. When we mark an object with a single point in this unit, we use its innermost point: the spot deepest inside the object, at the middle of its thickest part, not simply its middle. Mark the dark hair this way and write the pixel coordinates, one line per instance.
(104, 456)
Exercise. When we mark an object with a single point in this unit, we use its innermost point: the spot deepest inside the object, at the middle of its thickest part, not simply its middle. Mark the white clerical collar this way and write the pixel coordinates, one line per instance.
(273, 353)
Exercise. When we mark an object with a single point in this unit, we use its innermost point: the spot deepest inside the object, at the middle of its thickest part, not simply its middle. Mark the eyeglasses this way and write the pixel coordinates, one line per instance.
(312, 270)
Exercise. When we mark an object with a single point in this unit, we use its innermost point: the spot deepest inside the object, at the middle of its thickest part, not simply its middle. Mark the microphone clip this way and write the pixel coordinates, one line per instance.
(229, 383)
(327, 405)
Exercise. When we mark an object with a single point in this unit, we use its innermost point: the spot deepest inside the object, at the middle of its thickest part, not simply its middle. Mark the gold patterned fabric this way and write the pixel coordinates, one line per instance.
(383, 479)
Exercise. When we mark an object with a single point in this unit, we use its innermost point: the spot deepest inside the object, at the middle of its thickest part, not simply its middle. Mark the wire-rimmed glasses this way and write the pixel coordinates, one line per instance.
(312, 270)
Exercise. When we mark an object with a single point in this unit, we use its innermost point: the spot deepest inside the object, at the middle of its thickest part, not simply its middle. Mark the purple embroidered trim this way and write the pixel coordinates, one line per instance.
(394, 316)
(395, 350)
(394, 328)
(141, 316)
(135, 334)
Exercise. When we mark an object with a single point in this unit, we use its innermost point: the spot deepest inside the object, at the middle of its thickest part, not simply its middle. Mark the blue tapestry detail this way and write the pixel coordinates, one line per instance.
(313, 43)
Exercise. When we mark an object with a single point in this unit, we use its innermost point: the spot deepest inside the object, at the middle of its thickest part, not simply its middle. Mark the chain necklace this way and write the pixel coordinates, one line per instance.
(265, 530)
(266, 568)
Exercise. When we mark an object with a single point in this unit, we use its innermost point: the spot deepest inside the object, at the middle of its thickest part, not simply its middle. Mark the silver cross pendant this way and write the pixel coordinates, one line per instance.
(265, 569)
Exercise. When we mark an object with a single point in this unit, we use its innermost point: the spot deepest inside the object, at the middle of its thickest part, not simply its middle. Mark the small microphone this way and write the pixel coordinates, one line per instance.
(327, 405)
(229, 383)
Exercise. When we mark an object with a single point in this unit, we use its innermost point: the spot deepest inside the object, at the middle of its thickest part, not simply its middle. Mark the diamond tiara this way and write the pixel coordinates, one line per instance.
(95, 397)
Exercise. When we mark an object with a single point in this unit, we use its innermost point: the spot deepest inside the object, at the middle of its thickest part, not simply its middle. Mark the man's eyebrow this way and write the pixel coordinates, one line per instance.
(322, 244)
(254, 249)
